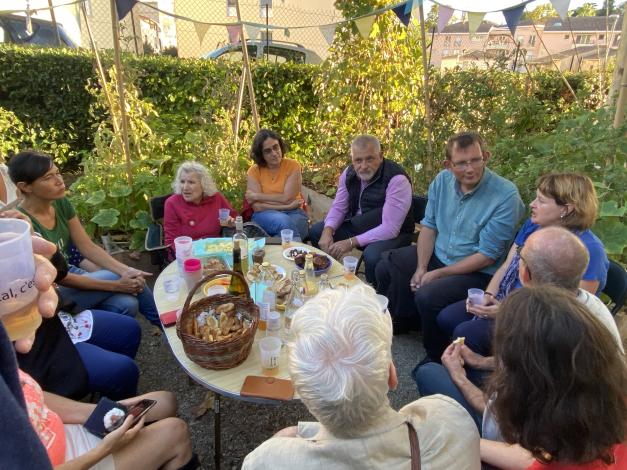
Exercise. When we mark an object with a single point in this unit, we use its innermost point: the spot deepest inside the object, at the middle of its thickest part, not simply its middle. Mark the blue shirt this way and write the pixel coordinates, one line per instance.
(598, 264)
(483, 220)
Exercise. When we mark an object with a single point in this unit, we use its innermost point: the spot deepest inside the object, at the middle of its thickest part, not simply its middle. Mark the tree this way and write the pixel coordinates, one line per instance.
(540, 13)
(587, 9)
(608, 8)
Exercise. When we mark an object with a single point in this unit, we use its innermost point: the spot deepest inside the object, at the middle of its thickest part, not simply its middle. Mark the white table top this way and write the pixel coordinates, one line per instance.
(229, 382)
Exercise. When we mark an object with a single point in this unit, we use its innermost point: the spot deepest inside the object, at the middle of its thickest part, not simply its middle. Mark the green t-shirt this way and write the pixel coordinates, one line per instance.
(60, 234)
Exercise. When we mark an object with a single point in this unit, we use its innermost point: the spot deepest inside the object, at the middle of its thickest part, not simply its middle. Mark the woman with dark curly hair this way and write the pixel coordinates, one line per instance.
(273, 187)
(560, 386)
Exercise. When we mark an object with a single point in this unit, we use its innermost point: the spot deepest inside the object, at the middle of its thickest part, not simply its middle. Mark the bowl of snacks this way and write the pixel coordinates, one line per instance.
(276, 272)
(291, 253)
(322, 263)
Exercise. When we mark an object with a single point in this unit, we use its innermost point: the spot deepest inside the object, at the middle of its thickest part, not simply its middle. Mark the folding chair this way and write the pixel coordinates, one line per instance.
(616, 286)
(154, 242)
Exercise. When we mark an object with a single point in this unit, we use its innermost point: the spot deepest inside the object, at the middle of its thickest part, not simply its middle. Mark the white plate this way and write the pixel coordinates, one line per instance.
(286, 252)
(278, 269)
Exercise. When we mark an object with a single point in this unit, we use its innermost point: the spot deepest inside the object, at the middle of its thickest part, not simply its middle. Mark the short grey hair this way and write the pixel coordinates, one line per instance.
(339, 358)
(556, 256)
(365, 140)
(206, 181)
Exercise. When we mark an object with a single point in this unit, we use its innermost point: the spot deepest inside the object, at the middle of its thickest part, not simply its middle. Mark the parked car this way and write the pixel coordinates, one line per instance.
(272, 51)
(13, 30)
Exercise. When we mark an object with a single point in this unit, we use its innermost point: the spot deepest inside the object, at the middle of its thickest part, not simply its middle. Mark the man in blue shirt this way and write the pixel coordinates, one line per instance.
(469, 223)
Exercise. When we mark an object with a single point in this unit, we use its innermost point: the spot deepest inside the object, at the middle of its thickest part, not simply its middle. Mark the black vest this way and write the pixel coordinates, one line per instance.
(373, 195)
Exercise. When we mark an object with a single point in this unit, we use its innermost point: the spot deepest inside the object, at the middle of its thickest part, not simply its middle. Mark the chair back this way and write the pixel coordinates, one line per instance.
(616, 286)
(419, 205)
(157, 207)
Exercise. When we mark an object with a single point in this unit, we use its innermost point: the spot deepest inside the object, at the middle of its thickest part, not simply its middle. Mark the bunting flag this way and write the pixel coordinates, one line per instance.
(328, 32)
(201, 30)
(402, 14)
(364, 25)
(234, 32)
(124, 7)
(286, 32)
(411, 5)
(251, 31)
(512, 17)
(474, 21)
(561, 7)
(29, 22)
(444, 16)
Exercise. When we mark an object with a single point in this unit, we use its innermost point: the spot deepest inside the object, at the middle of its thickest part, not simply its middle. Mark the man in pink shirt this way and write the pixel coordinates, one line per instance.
(372, 207)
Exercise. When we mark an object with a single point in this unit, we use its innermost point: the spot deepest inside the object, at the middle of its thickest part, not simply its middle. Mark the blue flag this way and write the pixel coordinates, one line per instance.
(402, 15)
(124, 7)
(512, 17)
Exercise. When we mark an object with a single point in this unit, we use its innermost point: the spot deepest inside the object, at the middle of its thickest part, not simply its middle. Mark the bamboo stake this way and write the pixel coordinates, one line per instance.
(122, 102)
(240, 100)
(249, 77)
(621, 102)
(53, 19)
(425, 66)
(621, 62)
(103, 77)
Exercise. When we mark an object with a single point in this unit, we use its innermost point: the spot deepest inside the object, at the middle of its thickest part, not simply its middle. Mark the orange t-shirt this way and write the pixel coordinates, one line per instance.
(620, 462)
(47, 423)
(275, 184)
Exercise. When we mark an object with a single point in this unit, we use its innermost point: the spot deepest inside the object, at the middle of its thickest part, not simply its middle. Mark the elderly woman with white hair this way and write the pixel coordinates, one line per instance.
(340, 361)
(193, 209)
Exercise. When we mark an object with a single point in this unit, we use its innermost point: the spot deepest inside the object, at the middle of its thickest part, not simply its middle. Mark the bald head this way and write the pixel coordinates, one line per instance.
(555, 256)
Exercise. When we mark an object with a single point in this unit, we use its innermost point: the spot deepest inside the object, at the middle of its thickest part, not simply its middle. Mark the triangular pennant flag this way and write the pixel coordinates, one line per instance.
(124, 7)
(29, 22)
(234, 32)
(412, 5)
(561, 7)
(201, 30)
(444, 16)
(474, 21)
(328, 32)
(512, 17)
(286, 33)
(402, 15)
(364, 25)
(251, 31)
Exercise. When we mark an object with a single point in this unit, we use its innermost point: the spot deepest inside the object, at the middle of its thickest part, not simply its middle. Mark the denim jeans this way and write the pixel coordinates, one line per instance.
(126, 304)
(274, 221)
(108, 355)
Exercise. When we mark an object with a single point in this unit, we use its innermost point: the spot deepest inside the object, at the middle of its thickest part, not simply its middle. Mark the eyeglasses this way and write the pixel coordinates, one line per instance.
(475, 163)
(269, 150)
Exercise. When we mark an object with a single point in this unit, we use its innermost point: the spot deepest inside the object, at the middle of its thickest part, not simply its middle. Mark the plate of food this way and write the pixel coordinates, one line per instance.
(322, 263)
(291, 253)
(212, 264)
(277, 273)
(210, 287)
(282, 289)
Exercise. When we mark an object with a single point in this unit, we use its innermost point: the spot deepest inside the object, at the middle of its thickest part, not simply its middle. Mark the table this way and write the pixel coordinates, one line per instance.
(229, 382)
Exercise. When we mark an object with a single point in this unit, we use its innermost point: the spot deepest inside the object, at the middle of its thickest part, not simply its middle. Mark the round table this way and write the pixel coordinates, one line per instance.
(229, 382)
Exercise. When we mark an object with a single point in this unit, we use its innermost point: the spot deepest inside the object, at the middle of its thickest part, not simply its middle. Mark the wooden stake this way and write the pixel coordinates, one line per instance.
(621, 102)
(240, 100)
(55, 26)
(621, 63)
(425, 66)
(249, 77)
(122, 102)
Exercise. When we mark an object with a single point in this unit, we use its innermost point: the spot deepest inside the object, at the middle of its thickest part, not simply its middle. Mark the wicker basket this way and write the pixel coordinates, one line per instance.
(217, 355)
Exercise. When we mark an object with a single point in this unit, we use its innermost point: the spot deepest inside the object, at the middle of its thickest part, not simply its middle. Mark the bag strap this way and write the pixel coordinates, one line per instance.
(414, 447)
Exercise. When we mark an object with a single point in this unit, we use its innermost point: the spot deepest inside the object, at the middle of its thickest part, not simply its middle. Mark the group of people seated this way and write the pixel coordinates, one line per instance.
(538, 382)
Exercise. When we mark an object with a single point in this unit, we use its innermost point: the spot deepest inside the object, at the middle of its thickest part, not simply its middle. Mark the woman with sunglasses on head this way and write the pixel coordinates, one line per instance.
(273, 187)
(568, 200)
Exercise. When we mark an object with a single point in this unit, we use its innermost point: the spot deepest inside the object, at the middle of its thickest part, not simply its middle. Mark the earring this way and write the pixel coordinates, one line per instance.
(562, 215)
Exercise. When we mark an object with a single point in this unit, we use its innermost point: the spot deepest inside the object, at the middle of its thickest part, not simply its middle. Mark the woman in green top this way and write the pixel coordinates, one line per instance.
(115, 287)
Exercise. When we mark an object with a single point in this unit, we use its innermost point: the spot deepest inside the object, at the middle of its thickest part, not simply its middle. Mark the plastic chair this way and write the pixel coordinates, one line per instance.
(154, 242)
(616, 286)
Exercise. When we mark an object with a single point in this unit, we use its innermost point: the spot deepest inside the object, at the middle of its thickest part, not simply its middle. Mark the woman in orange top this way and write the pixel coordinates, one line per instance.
(273, 187)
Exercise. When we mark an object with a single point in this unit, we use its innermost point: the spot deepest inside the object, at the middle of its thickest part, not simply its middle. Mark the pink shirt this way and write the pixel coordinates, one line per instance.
(397, 204)
(183, 218)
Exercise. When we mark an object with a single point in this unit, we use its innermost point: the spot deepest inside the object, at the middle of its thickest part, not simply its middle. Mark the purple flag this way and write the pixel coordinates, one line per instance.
(124, 7)
(512, 17)
(400, 12)
(444, 15)
(234, 31)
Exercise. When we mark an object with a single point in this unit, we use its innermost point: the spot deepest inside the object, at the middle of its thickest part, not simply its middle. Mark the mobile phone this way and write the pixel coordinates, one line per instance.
(140, 409)
(168, 318)
(95, 422)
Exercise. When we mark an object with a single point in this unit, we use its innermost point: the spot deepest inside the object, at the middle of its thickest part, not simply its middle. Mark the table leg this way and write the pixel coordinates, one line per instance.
(217, 438)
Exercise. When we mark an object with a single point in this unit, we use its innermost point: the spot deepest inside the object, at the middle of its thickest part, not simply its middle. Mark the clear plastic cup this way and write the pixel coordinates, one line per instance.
(476, 296)
(223, 215)
(350, 266)
(183, 249)
(287, 235)
(270, 350)
(18, 294)
(171, 286)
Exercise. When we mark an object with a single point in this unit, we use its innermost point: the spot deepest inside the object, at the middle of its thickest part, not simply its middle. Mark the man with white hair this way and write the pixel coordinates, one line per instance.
(340, 360)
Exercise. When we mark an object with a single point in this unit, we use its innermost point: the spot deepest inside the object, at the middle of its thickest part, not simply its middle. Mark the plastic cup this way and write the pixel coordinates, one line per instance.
(269, 350)
(476, 296)
(18, 294)
(223, 215)
(383, 302)
(287, 235)
(192, 269)
(171, 286)
(183, 250)
(350, 266)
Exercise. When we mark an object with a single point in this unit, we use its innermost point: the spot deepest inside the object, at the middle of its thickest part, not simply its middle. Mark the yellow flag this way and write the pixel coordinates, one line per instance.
(364, 25)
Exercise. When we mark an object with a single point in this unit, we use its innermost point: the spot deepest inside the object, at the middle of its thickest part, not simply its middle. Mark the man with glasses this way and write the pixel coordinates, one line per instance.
(469, 223)
(372, 207)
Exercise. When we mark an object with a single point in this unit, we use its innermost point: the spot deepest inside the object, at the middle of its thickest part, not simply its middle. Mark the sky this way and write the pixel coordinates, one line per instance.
(487, 5)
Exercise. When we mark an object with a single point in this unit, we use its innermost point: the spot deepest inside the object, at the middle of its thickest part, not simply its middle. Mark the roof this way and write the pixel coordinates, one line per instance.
(584, 52)
(584, 23)
(462, 27)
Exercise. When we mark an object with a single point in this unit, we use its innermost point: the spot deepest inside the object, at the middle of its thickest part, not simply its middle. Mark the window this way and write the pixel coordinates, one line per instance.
(583, 39)
(566, 36)
(279, 55)
(532, 39)
(447, 41)
(520, 40)
(475, 38)
(235, 54)
(601, 37)
(230, 8)
(458, 41)
(265, 8)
